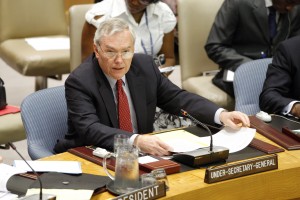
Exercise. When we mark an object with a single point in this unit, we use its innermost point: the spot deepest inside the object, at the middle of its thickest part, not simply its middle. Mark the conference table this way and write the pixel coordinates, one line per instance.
(282, 183)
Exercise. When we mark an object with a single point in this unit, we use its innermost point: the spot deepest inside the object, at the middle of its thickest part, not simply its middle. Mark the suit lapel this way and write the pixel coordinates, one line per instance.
(137, 90)
(107, 96)
(261, 17)
(284, 28)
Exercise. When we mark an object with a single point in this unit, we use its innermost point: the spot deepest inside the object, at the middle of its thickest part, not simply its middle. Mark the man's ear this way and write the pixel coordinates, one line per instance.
(96, 50)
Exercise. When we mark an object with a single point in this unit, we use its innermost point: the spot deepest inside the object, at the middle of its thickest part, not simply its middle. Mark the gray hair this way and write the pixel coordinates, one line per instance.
(110, 27)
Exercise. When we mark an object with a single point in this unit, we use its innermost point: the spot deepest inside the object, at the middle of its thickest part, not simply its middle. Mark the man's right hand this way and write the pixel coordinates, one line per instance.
(296, 110)
(152, 145)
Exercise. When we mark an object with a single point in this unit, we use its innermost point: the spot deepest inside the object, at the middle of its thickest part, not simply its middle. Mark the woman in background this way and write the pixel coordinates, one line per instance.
(152, 21)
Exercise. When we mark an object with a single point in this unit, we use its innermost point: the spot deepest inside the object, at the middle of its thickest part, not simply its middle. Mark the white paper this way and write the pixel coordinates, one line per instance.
(49, 43)
(182, 141)
(234, 140)
(63, 194)
(229, 76)
(69, 167)
(166, 69)
(8, 196)
(7, 171)
(179, 145)
(146, 159)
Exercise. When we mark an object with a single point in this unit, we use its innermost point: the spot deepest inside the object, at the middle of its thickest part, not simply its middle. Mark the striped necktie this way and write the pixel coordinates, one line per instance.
(123, 109)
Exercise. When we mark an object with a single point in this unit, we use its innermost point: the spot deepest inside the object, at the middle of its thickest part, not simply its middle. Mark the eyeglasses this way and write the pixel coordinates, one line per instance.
(113, 55)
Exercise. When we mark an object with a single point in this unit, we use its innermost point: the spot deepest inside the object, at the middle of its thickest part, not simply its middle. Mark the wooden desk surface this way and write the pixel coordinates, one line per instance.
(282, 183)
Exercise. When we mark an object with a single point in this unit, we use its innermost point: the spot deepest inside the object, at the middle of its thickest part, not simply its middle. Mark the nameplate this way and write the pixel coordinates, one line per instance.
(146, 193)
(230, 171)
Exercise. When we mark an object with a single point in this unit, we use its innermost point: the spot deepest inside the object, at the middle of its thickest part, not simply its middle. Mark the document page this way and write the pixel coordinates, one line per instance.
(69, 167)
(7, 171)
(182, 141)
(63, 194)
(234, 140)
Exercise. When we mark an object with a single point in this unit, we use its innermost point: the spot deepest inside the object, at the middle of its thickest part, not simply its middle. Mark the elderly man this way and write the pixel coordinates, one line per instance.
(116, 92)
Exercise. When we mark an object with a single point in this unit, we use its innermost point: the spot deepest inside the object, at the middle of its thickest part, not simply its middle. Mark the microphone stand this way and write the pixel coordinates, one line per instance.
(39, 196)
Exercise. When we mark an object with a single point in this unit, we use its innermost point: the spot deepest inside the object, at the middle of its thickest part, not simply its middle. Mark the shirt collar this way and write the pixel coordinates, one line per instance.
(119, 8)
(268, 3)
(112, 82)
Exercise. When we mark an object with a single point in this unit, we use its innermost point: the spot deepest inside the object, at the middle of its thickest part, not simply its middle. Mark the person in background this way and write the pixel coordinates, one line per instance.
(96, 89)
(245, 30)
(281, 90)
(152, 20)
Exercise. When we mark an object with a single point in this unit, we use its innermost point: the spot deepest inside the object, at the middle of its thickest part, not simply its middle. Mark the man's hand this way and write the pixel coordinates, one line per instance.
(234, 119)
(152, 145)
(296, 110)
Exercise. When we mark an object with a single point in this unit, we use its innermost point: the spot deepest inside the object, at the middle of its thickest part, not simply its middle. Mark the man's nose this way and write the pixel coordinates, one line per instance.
(119, 57)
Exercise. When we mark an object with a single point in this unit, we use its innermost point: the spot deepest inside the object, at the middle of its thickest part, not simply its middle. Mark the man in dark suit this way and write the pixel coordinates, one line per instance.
(281, 91)
(241, 32)
(93, 97)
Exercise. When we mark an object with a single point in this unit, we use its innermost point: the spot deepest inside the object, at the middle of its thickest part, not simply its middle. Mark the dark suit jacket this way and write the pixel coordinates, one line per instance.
(240, 33)
(92, 115)
(282, 84)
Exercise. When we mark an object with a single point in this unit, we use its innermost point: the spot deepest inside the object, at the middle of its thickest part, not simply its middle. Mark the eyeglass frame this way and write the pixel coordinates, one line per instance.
(113, 55)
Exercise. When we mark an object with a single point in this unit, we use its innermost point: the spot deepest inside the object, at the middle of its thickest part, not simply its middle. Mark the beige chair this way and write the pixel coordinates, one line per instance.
(11, 129)
(31, 19)
(195, 18)
(77, 19)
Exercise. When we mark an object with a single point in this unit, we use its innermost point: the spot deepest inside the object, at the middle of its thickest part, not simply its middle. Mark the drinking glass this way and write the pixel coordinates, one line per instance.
(161, 176)
(148, 179)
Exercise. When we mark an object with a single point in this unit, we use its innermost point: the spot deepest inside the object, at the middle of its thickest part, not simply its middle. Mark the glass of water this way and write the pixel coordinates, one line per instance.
(161, 176)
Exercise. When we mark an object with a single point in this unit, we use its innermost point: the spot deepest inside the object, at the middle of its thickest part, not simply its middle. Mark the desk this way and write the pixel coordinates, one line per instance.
(283, 183)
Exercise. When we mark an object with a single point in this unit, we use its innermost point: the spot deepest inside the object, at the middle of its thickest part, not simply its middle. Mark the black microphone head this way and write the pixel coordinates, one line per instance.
(183, 112)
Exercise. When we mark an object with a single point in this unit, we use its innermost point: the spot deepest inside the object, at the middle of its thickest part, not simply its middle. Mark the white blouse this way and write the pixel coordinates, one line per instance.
(149, 36)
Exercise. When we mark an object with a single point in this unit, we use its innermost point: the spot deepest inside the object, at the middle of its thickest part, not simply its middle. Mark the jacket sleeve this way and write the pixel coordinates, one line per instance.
(278, 85)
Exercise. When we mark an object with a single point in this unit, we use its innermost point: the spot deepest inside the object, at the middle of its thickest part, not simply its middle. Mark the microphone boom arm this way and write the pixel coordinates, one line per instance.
(186, 114)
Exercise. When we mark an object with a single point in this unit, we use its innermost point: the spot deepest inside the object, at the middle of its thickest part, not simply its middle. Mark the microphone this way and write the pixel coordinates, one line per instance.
(204, 155)
(39, 196)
